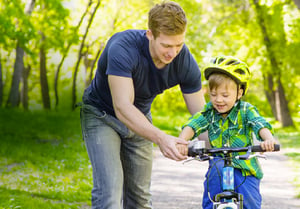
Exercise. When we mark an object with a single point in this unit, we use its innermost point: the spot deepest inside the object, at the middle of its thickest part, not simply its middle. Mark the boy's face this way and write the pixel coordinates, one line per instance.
(224, 96)
(164, 48)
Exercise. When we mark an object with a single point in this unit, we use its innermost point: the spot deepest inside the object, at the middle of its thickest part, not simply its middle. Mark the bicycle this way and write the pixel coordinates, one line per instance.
(228, 198)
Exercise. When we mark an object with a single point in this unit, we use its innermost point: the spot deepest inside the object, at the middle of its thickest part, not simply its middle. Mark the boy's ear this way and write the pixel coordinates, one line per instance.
(240, 93)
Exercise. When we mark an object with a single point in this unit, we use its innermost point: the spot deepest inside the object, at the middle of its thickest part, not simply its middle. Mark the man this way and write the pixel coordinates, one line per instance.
(135, 66)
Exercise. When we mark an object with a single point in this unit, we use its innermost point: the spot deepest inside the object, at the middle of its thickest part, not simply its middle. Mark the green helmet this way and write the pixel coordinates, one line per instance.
(232, 67)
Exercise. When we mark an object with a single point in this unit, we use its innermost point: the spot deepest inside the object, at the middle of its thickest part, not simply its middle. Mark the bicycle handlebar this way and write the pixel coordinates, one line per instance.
(192, 152)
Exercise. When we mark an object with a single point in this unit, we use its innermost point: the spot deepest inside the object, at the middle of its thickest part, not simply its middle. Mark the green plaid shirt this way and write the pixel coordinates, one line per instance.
(233, 131)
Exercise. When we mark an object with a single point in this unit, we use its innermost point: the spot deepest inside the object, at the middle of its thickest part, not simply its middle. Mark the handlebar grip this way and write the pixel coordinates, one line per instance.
(257, 148)
(191, 152)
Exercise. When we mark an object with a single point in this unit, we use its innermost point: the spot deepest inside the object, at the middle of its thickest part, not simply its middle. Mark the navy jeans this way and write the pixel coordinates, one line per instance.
(249, 187)
(121, 162)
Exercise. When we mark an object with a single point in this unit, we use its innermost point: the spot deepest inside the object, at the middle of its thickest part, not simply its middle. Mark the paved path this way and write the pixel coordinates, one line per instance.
(180, 186)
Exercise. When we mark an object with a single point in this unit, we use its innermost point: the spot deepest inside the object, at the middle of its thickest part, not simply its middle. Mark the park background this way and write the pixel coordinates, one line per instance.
(48, 55)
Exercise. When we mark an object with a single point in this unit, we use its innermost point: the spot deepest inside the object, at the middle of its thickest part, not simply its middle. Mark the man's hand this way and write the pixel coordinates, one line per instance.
(168, 146)
(182, 148)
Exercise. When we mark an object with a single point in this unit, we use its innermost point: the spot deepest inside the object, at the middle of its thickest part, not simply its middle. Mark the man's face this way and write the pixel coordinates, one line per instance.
(165, 48)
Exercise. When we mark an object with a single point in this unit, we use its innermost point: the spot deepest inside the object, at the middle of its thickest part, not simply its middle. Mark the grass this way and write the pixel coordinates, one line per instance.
(44, 164)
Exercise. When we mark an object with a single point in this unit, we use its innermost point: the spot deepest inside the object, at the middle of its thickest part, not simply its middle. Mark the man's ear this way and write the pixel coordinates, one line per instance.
(149, 34)
(240, 93)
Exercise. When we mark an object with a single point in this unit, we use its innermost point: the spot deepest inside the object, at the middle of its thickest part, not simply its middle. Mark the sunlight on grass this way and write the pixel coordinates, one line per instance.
(22, 199)
(43, 161)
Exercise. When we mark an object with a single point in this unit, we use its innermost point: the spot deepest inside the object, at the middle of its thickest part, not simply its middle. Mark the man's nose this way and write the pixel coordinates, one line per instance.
(173, 51)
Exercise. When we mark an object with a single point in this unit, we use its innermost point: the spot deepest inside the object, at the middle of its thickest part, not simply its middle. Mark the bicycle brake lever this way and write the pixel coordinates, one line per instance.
(188, 160)
(202, 158)
(258, 155)
(247, 157)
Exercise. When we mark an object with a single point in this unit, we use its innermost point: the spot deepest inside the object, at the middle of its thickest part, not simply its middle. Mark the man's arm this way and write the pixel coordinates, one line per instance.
(122, 91)
(194, 101)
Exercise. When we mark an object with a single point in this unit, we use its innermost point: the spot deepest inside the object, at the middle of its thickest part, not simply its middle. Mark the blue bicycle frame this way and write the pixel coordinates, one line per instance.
(228, 198)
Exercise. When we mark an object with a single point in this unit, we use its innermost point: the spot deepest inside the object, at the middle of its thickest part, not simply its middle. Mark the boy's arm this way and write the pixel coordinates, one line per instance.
(261, 128)
(187, 133)
(269, 141)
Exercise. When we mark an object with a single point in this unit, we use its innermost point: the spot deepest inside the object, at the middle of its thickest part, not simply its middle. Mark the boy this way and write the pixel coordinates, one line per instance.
(230, 122)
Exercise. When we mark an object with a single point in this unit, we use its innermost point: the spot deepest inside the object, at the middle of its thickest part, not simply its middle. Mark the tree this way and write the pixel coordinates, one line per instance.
(43, 74)
(51, 22)
(92, 65)
(14, 96)
(1, 85)
(275, 92)
(297, 2)
(65, 53)
(24, 92)
(80, 53)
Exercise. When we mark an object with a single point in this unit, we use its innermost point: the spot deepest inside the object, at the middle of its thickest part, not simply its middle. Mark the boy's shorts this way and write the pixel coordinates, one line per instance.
(248, 186)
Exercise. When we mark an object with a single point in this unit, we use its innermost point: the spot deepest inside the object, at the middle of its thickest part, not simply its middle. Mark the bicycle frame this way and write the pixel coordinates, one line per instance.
(228, 198)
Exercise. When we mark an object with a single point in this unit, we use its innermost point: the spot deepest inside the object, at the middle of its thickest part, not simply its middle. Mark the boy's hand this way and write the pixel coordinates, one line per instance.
(182, 148)
(269, 141)
(268, 145)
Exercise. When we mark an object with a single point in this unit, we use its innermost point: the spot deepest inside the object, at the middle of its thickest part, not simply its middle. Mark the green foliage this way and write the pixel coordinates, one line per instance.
(17, 25)
(170, 101)
(214, 28)
(50, 18)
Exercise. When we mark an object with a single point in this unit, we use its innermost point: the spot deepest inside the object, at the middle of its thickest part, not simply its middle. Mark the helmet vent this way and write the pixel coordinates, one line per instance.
(240, 71)
(220, 60)
(232, 62)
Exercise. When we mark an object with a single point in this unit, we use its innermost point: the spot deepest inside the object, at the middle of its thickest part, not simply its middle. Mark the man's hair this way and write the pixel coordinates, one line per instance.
(167, 18)
(216, 79)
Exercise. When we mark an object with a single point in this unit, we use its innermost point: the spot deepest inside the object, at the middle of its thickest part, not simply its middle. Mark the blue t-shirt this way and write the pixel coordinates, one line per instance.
(127, 54)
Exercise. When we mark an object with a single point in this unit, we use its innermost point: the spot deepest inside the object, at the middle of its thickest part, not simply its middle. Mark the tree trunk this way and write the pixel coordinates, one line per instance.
(270, 94)
(94, 62)
(14, 95)
(280, 102)
(87, 64)
(1, 85)
(74, 98)
(43, 78)
(65, 55)
(90, 77)
(24, 95)
(13, 99)
(297, 3)
(286, 118)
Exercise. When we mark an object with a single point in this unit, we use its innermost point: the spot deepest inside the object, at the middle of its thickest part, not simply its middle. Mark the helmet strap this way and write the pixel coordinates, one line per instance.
(237, 93)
